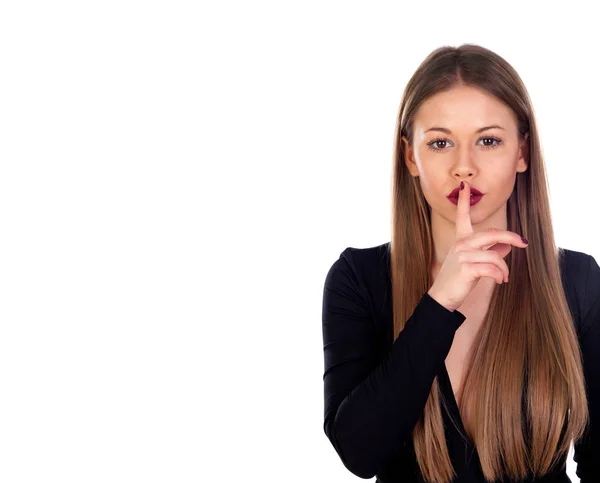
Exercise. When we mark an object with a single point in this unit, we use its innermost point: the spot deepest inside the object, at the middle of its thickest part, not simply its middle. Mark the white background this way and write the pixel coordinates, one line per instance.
(176, 180)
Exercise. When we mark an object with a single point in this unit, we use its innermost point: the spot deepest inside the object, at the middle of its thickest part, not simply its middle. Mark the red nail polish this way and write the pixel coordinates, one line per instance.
(462, 185)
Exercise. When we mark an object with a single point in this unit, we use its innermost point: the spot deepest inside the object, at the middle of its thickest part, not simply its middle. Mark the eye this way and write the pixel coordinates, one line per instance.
(488, 146)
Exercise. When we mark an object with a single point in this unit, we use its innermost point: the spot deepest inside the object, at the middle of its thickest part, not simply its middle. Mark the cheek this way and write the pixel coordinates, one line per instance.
(501, 185)
(432, 185)
(503, 178)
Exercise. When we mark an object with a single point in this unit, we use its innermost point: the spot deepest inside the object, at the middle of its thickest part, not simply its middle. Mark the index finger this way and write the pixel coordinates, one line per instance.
(463, 213)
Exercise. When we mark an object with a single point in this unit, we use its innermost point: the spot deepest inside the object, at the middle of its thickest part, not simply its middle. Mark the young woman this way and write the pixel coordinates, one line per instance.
(459, 351)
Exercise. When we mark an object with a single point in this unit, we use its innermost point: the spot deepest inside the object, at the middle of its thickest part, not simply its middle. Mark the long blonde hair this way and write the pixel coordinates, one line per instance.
(524, 381)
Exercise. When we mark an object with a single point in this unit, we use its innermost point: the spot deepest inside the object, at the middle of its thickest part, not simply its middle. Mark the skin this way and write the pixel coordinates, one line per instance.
(465, 155)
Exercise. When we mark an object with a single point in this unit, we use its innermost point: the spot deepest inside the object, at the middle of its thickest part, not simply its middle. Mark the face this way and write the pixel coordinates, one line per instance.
(489, 160)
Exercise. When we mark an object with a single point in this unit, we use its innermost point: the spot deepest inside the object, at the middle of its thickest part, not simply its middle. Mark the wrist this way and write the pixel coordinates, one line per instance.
(442, 301)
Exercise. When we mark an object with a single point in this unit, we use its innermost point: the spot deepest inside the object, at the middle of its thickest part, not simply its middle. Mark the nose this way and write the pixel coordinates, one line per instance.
(464, 166)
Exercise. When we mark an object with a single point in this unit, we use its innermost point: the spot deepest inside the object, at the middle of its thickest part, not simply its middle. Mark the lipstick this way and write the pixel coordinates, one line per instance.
(474, 199)
(476, 195)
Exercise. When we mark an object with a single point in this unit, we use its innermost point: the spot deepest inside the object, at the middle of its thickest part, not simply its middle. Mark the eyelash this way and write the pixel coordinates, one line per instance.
(498, 143)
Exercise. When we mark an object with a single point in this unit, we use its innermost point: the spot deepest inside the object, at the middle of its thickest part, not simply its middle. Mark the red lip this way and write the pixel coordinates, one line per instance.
(454, 192)
(472, 201)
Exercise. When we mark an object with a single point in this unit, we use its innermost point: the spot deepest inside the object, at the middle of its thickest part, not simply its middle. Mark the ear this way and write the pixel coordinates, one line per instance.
(523, 161)
(409, 158)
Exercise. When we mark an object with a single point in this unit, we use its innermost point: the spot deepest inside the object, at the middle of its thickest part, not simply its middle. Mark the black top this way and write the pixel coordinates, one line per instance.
(376, 388)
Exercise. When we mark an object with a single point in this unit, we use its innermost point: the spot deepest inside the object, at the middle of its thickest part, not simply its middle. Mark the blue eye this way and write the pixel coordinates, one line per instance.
(444, 140)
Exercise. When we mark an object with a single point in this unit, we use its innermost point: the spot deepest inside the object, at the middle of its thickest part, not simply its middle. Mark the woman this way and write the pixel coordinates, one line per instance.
(458, 351)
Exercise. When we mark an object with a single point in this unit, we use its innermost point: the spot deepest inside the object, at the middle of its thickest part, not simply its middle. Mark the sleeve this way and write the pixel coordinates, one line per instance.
(587, 449)
(372, 404)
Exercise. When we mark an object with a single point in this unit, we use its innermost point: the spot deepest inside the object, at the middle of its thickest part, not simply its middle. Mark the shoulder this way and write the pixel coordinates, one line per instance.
(367, 270)
(574, 262)
(369, 264)
(581, 277)
(364, 258)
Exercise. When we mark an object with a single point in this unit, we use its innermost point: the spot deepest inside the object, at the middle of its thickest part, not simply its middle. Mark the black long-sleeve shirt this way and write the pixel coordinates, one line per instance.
(375, 388)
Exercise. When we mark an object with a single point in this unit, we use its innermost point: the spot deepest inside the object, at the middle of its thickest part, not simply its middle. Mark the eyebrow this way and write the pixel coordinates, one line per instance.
(447, 131)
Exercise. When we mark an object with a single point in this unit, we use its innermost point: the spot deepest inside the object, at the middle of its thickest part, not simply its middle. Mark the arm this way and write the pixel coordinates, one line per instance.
(587, 450)
(372, 405)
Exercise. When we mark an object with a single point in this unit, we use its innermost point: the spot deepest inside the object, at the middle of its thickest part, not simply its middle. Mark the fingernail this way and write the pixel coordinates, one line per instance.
(462, 185)
(525, 240)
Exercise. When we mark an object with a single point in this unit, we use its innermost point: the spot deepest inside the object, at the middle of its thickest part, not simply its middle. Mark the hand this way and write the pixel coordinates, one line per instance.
(473, 255)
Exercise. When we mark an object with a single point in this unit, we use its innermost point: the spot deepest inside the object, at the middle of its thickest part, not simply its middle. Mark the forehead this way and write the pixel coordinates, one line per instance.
(463, 108)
